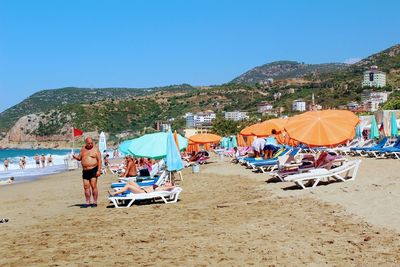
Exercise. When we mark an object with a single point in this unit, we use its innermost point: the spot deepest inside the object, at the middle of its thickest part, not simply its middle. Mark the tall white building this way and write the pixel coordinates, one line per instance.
(299, 105)
(236, 115)
(374, 78)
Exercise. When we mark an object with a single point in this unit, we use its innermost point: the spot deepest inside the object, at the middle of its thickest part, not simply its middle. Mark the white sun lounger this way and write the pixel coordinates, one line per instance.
(314, 176)
(125, 201)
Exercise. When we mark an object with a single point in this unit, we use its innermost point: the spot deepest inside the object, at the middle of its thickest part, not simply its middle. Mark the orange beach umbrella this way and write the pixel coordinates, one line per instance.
(265, 128)
(240, 140)
(205, 138)
(322, 128)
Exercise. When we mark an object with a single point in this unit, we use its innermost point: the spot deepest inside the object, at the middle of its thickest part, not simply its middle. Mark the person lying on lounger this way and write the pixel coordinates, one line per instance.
(135, 188)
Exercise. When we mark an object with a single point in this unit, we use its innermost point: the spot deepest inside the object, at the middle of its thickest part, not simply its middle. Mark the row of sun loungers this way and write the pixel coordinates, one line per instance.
(291, 164)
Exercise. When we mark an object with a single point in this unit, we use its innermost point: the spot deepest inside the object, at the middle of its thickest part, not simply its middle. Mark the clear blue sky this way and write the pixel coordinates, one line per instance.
(128, 43)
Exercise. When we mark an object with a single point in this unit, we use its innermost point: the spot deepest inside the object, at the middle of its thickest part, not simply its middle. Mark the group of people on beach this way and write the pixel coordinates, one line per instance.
(42, 160)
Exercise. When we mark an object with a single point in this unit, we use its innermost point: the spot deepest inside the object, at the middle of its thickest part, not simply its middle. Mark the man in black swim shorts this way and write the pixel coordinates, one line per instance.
(90, 158)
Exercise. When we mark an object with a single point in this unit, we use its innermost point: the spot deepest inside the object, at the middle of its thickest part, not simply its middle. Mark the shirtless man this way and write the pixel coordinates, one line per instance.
(90, 158)
(37, 161)
(130, 168)
(43, 160)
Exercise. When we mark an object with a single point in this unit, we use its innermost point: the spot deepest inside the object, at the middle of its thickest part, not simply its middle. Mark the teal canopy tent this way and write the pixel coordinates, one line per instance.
(394, 131)
(153, 145)
(374, 131)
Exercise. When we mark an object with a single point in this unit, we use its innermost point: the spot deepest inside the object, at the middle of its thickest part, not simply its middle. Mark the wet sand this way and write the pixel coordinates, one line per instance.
(227, 216)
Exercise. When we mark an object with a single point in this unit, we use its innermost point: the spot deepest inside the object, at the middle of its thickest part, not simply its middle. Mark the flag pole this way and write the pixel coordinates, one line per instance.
(73, 140)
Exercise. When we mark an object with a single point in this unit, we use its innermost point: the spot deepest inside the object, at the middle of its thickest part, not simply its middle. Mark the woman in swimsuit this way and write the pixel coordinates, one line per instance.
(135, 188)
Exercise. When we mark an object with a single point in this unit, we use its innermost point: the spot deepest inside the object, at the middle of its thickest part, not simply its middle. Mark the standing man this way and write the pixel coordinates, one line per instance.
(90, 158)
(37, 161)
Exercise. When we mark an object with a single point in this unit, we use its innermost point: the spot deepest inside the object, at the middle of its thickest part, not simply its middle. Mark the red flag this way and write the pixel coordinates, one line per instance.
(77, 132)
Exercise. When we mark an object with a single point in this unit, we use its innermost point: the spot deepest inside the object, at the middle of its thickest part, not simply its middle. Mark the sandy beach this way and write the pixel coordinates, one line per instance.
(227, 216)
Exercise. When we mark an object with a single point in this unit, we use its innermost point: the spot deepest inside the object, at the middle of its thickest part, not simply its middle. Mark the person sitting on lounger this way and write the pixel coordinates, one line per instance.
(236, 155)
(135, 188)
(130, 168)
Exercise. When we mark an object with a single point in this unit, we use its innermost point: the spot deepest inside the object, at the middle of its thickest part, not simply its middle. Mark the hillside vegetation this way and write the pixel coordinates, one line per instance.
(134, 111)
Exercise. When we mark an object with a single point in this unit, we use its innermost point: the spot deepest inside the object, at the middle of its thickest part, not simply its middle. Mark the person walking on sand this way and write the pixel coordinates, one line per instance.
(90, 158)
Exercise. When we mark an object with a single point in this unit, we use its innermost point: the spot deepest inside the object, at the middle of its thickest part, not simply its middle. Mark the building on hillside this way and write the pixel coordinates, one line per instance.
(368, 95)
(277, 95)
(268, 81)
(299, 105)
(198, 130)
(352, 106)
(264, 107)
(199, 119)
(372, 105)
(291, 91)
(374, 78)
(236, 115)
(162, 126)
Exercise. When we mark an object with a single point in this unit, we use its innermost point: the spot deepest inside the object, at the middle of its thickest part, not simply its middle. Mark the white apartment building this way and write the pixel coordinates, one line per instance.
(374, 78)
(199, 119)
(380, 97)
(236, 115)
(299, 105)
(372, 106)
(264, 107)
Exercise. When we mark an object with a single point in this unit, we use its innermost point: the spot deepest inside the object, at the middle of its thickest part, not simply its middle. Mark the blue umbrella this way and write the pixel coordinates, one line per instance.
(394, 132)
(173, 158)
(153, 145)
(374, 131)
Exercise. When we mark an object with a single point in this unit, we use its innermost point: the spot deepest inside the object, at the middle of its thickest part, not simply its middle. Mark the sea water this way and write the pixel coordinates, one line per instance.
(31, 171)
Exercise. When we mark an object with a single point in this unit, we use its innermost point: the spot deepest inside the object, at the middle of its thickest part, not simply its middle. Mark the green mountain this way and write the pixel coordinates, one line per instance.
(285, 69)
(133, 111)
(46, 100)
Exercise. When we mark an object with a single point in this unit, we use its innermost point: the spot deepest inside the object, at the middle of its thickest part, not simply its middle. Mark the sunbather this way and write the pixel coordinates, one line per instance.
(130, 169)
(135, 188)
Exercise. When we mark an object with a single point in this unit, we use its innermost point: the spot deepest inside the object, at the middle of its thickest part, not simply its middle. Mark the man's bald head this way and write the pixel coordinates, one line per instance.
(89, 143)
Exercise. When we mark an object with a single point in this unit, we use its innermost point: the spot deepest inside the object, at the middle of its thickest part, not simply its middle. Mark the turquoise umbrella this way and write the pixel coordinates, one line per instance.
(153, 145)
(358, 131)
(234, 141)
(394, 132)
(374, 131)
(123, 147)
(173, 158)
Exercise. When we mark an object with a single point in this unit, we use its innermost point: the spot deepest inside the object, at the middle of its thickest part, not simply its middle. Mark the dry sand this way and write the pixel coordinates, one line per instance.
(227, 216)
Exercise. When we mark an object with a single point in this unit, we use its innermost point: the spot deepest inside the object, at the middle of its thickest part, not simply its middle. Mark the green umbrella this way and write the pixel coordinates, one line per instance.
(153, 145)
(394, 132)
(374, 131)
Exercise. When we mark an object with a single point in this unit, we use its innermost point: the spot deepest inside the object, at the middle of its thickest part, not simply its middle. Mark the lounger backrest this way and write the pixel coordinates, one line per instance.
(382, 143)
